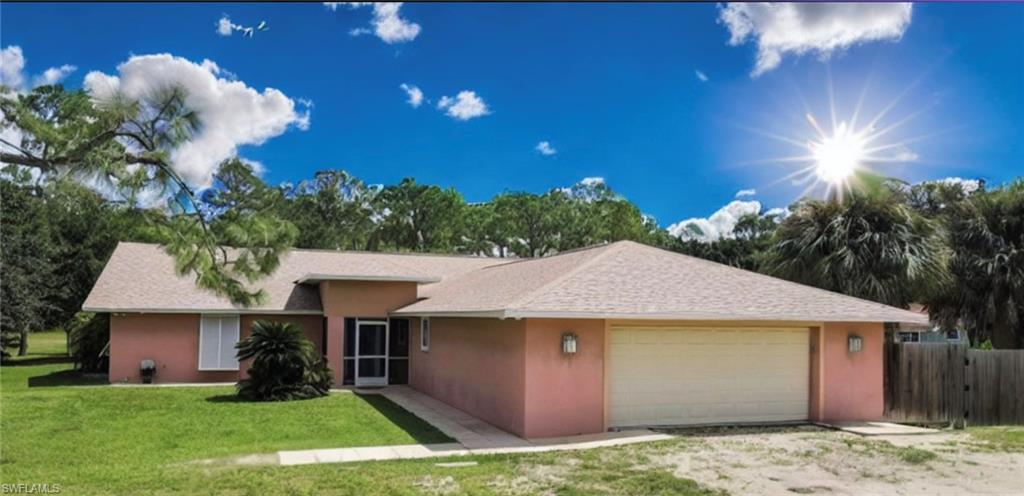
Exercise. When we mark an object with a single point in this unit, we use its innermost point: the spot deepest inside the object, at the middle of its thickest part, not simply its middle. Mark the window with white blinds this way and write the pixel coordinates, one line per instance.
(217, 337)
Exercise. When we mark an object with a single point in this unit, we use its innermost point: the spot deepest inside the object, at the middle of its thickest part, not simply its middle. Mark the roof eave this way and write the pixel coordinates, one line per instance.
(317, 278)
(522, 314)
(490, 314)
(233, 311)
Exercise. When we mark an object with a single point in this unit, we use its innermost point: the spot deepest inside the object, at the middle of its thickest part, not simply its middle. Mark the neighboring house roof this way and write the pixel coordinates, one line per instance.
(628, 280)
(141, 278)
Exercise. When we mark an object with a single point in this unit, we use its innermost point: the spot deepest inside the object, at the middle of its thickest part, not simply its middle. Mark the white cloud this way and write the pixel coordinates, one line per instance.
(799, 28)
(701, 76)
(746, 192)
(777, 212)
(904, 154)
(545, 148)
(968, 185)
(587, 189)
(257, 167)
(387, 22)
(12, 65)
(414, 93)
(719, 225)
(225, 27)
(232, 114)
(54, 75)
(12, 135)
(12, 70)
(465, 106)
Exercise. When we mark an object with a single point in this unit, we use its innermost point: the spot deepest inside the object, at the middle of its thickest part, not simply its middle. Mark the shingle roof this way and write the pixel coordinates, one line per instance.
(631, 280)
(141, 277)
(620, 280)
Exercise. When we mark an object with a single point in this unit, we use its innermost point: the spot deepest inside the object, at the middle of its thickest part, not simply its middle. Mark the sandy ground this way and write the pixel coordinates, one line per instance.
(812, 460)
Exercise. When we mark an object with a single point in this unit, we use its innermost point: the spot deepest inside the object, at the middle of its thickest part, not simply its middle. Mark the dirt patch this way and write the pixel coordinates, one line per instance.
(438, 485)
(812, 460)
(535, 478)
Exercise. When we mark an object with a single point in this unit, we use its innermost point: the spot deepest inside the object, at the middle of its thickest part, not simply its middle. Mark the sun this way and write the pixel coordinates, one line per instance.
(838, 156)
(833, 160)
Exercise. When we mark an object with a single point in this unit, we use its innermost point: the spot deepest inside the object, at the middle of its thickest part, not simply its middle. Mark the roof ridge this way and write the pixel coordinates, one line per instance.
(557, 254)
(771, 277)
(362, 252)
(526, 298)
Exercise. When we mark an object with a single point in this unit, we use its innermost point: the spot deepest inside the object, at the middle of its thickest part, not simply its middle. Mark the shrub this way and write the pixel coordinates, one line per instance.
(89, 335)
(285, 364)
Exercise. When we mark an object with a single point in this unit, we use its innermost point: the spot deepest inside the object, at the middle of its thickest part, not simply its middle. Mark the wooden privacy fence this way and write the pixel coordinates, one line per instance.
(948, 382)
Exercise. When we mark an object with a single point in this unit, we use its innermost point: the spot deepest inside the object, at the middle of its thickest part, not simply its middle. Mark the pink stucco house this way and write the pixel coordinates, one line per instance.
(618, 335)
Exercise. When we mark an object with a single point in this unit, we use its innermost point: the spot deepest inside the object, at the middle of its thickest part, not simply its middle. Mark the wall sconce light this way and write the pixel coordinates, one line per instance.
(147, 369)
(569, 343)
(854, 343)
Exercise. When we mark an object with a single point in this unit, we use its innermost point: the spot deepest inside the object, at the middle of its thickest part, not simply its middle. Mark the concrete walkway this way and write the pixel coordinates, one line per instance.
(467, 430)
(472, 435)
(879, 428)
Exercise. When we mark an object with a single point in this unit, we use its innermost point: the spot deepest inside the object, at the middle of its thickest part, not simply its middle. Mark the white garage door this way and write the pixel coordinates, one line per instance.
(684, 376)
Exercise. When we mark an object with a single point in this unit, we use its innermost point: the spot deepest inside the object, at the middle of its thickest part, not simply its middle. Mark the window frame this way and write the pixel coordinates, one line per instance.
(238, 336)
(425, 334)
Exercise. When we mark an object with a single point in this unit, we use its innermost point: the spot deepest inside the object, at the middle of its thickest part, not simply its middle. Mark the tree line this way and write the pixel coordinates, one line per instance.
(958, 251)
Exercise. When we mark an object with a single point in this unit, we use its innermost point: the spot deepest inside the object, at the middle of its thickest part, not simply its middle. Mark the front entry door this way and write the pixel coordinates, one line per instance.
(371, 353)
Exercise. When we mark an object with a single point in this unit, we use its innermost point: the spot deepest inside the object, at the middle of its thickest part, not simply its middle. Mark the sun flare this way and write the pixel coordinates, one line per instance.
(838, 156)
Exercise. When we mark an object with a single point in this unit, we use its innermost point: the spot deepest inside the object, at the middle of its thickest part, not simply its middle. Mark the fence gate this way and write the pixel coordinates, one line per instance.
(948, 382)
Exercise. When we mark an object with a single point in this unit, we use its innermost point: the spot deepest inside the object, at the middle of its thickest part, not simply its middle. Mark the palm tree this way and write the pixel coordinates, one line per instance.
(870, 245)
(986, 234)
(285, 364)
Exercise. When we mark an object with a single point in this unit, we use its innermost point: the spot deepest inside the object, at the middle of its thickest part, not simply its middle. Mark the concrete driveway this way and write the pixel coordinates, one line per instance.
(814, 460)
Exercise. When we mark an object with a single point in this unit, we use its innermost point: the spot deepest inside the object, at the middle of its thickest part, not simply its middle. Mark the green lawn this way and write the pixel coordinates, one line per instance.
(47, 345)
(999, 438)
(106, 438)
(121, 440)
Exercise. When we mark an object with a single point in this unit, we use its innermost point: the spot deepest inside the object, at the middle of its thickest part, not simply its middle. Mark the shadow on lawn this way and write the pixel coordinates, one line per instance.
(743, 429)
(66, 378)
(416, 427)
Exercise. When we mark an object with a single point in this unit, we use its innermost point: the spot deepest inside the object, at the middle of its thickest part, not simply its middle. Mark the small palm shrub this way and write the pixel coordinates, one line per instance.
(285, 364)
(89, 334)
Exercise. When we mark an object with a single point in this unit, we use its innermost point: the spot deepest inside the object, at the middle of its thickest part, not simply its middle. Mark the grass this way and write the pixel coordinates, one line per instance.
(911, 455)
(914, 456)
(1003, 438)
(43, 347)
(607, 471)
(102, 439)
(134, 440)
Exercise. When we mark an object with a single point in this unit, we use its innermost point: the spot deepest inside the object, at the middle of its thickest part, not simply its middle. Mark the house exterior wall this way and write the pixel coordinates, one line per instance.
(365, 298)
(564, 393)
(476, 365)
(172, 341)
(513, 375)
(341, 299)
(816, 391)
(849, 385)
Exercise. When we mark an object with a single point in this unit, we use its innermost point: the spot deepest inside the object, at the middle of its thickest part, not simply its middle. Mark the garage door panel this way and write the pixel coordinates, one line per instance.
(679, 376)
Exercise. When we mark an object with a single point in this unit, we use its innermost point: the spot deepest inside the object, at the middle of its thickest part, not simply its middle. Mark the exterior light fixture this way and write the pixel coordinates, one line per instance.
(854, 343)
(569, 343)
(147, 369)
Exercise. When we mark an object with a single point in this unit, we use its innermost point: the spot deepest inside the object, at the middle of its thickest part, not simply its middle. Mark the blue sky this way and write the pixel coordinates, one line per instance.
(613, 88)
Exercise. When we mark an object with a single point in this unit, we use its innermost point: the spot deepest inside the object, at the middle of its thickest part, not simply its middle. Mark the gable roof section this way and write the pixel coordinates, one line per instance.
(628, 280)
(140, 277)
